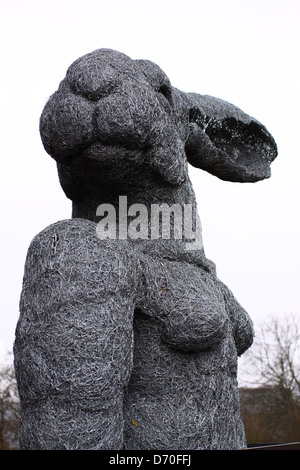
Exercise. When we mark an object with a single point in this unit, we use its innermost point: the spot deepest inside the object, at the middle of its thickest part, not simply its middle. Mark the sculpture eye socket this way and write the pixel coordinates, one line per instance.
(165, 90)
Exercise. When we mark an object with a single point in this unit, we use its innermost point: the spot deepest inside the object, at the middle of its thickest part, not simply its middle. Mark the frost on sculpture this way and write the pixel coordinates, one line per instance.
(132, 342)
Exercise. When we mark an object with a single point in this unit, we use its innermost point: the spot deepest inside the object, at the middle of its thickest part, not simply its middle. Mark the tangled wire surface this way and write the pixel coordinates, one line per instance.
(132, 344)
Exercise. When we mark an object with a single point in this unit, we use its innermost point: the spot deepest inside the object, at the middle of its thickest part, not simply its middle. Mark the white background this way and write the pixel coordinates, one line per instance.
(246, 52)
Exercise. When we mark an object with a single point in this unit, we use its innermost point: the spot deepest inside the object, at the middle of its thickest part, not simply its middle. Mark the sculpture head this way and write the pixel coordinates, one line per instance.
(113, 117)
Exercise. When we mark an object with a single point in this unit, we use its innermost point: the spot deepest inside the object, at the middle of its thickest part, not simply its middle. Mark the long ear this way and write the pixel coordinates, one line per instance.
(226, 142)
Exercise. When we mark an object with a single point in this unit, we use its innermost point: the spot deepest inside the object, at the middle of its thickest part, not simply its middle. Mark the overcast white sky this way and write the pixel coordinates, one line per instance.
(246, 52)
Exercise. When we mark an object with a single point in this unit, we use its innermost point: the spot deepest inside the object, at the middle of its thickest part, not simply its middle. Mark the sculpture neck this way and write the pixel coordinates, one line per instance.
(147, 195)
(167, 215)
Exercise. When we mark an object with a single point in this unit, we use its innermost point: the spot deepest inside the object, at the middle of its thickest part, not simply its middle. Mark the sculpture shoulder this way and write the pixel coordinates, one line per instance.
(71, 237)
(71, 248)
(67, 229)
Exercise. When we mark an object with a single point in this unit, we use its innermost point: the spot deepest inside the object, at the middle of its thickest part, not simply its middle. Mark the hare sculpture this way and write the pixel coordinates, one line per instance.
(126, 337)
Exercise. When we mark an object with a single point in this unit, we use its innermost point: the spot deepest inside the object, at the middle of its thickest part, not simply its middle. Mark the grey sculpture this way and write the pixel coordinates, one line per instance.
(131, 342)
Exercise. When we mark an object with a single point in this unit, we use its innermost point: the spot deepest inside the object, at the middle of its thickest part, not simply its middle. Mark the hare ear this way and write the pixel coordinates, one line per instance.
(226, 142)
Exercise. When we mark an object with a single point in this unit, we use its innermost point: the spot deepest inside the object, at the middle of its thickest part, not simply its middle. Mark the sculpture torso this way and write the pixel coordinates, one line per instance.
(183, 353)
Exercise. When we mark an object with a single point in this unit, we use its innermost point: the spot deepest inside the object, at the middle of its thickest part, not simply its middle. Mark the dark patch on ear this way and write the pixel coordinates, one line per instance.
(232, 147)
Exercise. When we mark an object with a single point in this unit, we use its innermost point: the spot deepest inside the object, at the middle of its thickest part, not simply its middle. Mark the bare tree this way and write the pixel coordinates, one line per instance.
(271, 410)
(9, 408)
(275, 355)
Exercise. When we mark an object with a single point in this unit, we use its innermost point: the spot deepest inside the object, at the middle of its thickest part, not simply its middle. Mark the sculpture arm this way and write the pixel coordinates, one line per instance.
(74, 340)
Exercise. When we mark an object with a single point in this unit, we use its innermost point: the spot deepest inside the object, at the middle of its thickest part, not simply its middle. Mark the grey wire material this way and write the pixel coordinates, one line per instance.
(132, 343)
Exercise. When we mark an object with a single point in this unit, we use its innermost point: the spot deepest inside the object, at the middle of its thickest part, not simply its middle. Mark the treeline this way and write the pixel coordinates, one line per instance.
(271, 411)
(9, 409)
(268, 416)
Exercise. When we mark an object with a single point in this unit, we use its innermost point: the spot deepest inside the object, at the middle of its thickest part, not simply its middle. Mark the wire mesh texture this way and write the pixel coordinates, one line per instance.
(132, 343)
